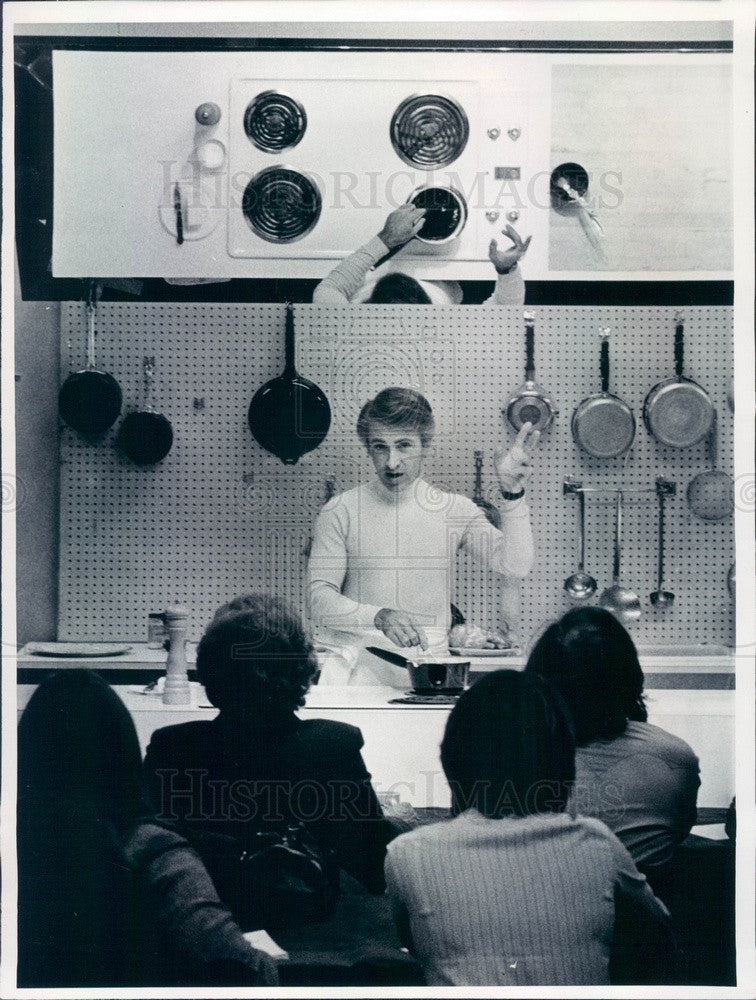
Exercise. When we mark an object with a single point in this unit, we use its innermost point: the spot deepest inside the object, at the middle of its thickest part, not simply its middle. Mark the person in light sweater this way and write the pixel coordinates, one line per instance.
(514, 890)
(349, 282)
(382, 554)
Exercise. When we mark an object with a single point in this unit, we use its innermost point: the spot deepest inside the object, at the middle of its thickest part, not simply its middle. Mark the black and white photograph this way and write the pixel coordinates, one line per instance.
(378, 499)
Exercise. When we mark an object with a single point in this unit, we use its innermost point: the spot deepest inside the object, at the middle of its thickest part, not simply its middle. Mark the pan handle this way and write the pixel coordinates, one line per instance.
(712, 441)
(617, 539)
(93, 294)
(387, 654)
(604, 366)
(148, 370)
(581, 522)
(679, 335)
(289, 367)
(478, 488)
(660, 539)
(529, 347)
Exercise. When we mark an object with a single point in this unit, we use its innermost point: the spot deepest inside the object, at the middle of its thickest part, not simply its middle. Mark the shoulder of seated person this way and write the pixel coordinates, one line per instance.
(150, 838)
(654, 738)
(181, 733)
(329, 733)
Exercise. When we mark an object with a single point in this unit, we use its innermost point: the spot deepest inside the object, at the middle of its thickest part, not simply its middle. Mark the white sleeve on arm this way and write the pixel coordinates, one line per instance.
(508, 551)
(326, 572)
(509, 289)
(346, 279)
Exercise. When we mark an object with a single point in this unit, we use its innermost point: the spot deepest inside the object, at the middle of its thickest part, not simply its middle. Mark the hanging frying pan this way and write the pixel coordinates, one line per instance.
(289, 415)
(145, 436)
(677, 411)
(604, 425)
(711, 494)
(530, 404)
(89, 401)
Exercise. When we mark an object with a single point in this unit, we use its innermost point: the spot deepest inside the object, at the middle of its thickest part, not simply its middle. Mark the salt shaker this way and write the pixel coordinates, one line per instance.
(176, 690)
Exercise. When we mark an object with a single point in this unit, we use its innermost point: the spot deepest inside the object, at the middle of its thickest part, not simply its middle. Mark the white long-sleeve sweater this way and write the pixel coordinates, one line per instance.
(347, 281)
(512, 902)
(374, 549)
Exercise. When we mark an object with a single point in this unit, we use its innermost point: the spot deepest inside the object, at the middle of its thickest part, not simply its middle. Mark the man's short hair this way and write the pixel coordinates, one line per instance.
(255, 653)
(399, 408)
(398, 287)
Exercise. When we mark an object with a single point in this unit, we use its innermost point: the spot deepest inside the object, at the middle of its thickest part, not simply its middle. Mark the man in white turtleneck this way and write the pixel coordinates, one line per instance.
(382, 554)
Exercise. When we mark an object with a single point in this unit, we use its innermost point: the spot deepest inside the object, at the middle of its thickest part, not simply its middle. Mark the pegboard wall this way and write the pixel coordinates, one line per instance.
(220, 516)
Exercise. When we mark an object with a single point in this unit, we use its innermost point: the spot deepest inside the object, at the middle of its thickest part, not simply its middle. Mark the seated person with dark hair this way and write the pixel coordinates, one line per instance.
(514, 890)
(348, 281)
(107, 896)
(257, 767)
(637, 778)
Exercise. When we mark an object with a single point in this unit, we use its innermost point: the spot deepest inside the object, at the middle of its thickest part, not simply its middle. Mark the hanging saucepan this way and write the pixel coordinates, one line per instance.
(677, 411)
(604, 425)
(89, 401)
(530, 404)
(145, 436)
(711, 494)
(289, 415)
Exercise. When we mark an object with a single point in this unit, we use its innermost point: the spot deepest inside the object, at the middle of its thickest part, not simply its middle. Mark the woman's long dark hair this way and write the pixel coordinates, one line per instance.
(77, 746)
(592, 661)
(509, 748)
(79, 794)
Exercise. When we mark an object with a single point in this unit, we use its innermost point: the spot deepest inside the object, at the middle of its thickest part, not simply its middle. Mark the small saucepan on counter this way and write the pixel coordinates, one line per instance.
(434, 675)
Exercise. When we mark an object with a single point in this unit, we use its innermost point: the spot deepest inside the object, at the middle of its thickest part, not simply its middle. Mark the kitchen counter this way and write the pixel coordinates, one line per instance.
(402, 741)
(684, 666)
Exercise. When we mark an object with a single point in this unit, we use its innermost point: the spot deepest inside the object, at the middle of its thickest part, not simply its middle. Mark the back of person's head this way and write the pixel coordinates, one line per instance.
(509, 748)
(399, 408)
(255, 657)
(78, 748)
(592, 661)
(398, 287)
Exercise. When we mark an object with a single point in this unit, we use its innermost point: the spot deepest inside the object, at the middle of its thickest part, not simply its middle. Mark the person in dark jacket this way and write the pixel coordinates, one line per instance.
(107, 897)
(257, 767)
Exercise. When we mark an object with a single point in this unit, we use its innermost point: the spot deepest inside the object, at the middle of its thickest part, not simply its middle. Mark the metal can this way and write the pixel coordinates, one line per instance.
(157, 633)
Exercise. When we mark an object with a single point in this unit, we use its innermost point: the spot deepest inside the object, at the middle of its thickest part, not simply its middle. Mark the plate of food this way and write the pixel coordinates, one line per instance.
(474, 640)
(78, 650)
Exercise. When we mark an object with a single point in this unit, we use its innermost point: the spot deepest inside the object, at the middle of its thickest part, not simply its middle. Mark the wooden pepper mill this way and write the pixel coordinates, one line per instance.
(176, 690)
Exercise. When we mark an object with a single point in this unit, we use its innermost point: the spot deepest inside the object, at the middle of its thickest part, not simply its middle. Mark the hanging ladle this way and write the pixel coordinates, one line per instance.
(580, 585)
(662, 598)
(622, 602)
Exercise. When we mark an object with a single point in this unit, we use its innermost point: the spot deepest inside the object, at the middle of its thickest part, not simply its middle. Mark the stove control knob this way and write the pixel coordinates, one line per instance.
(494, 133)
(492, 216)
(208, 113)
(514, 133)
(513, 215)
